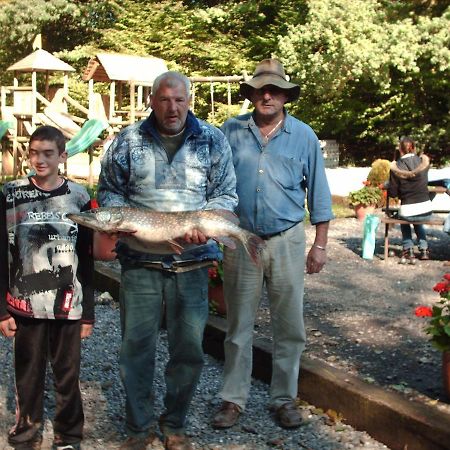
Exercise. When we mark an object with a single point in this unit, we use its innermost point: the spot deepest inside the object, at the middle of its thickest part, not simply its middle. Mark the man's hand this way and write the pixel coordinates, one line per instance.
(86, 330)
(316, 260)
(8, 327)
(195, 237)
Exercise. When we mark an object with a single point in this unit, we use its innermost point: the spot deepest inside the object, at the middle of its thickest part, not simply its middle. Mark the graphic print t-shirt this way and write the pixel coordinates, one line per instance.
(42, 258)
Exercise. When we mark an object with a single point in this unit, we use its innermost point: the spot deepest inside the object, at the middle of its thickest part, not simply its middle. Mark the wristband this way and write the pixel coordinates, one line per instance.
(319, 247)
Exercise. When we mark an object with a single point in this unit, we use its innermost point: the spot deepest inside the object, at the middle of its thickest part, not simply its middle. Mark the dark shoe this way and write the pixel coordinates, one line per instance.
(227, 415)
(288, 415)
(408, 257)
(424, 254)
(177, 442)
(140, 443)
(33, 444)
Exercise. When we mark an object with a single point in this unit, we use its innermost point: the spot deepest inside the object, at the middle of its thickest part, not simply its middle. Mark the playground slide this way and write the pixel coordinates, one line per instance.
(88, 134)
(4, 127)
(59, 120)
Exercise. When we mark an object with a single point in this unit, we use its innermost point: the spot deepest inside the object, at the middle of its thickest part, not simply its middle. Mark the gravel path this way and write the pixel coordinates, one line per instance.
(104, 404)
(359, 316)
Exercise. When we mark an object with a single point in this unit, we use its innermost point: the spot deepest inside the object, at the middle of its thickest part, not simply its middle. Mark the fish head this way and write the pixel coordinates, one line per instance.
(100, 219)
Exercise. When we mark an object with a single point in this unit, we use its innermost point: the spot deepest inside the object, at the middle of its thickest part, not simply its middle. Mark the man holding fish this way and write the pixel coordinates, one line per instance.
(169, 162)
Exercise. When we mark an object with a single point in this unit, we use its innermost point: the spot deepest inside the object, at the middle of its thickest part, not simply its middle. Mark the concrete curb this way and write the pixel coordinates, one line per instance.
(387, 416)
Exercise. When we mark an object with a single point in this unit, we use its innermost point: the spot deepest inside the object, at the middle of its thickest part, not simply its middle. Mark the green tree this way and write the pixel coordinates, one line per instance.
(63, 24)
(371, 70)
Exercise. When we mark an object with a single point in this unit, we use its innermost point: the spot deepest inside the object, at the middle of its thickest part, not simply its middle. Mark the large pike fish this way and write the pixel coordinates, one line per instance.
(159, 232)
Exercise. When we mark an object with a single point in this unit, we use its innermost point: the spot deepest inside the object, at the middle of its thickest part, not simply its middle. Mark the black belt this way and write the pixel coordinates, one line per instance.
(271, 235)
(278, 233)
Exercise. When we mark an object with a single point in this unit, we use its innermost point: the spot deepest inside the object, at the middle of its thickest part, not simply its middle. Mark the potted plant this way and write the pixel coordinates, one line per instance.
(215, 289)
(438, 327)
(366, 199)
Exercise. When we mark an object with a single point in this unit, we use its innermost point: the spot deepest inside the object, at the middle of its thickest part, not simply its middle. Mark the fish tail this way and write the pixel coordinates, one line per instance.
(254, 245)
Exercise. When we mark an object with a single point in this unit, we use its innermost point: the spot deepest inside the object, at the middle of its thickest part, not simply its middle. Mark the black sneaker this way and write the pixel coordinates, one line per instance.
(424, 254)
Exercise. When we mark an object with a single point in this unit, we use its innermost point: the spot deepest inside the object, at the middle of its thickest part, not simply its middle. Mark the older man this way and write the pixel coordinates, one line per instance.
(279, 165)
(169, 162)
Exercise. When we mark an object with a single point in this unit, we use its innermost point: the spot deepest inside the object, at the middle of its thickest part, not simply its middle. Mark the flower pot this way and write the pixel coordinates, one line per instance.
(362, 210)
(215, 297)
(446, 373)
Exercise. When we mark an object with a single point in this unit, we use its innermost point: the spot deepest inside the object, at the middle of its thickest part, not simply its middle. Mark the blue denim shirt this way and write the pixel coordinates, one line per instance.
(136, 172)
(275, 179)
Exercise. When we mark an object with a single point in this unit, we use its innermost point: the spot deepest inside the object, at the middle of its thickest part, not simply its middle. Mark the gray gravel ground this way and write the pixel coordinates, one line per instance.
(350, 310)
(104, 404)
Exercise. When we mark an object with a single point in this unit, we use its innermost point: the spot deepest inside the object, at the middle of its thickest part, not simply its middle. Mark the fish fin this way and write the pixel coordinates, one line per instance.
(226, 241)
(125, 231)
(227, 215)
(175, 246)
(254, 245)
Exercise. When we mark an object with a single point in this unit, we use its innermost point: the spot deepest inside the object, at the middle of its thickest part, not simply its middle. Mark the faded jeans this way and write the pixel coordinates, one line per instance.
(282, 270)
(407, 241)
(145, 294)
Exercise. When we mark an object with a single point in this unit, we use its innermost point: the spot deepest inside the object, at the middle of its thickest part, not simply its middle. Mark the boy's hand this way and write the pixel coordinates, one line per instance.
(86, 330)
(8, 327)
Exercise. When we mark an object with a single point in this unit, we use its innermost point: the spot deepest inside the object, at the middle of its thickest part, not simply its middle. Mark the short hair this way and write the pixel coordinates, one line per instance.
(172, 78)
(49, 133)
(407, 144)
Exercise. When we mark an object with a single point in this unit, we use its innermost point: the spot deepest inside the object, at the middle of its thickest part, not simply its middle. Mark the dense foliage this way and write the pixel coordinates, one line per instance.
(370, 70)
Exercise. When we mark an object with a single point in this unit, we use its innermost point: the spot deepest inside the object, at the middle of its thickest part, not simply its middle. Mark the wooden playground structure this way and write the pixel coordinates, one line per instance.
(127, 78)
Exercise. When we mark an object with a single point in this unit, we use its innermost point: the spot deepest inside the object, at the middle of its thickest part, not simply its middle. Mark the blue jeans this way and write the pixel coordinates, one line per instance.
(407, 241)
(145, 295)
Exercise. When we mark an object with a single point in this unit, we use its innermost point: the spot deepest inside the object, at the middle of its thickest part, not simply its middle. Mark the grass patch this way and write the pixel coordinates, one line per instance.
(340, 207)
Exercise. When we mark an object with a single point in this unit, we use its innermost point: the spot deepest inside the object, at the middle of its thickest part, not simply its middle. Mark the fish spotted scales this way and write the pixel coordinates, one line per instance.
(159, 232)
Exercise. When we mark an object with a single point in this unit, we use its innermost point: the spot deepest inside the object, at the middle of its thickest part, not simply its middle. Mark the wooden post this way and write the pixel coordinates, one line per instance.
(91, 106)
(33, 93)
(211, 89)
(112, 95)
(91, 167)
(66, 84)
(139, 98)
(120, 95)
(229, 97)
(3, 96)
(46, 85)
(193, 97)
(132, 103)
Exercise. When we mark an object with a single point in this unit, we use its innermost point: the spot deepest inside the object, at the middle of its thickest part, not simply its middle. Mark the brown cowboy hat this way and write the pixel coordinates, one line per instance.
(270, 71)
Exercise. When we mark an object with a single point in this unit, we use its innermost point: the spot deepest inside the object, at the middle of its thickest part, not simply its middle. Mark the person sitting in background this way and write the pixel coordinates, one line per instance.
(409, 182)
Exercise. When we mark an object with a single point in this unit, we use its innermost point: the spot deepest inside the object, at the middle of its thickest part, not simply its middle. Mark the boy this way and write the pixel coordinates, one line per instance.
(46, 296)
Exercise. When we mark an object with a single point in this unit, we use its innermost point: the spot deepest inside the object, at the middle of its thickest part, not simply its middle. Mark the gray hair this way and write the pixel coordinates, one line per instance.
(172, 78)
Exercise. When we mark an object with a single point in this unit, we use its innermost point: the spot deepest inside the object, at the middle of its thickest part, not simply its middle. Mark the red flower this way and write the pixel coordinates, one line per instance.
(212, 273)
(423, 311)
(447, 276)
(94, 203)
(441, 287)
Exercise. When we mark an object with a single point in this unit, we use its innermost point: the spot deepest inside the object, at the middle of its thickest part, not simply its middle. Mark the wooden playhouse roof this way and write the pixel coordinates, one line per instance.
(41, 61)
(109, 67)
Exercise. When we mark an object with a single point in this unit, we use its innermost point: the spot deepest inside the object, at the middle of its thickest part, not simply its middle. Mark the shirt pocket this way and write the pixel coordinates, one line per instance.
(287, 171)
